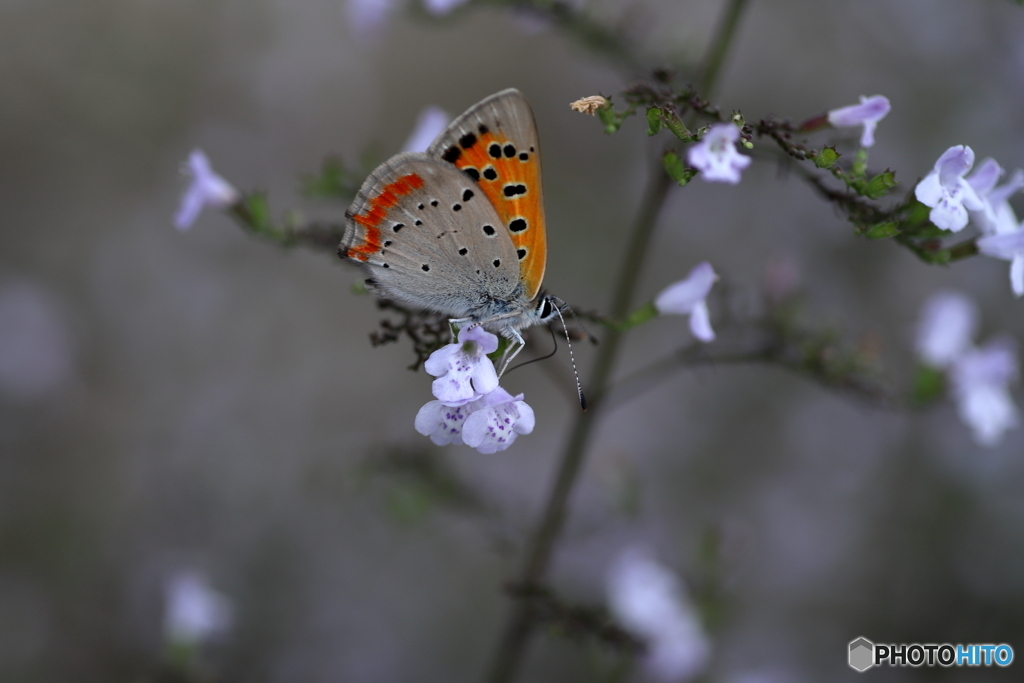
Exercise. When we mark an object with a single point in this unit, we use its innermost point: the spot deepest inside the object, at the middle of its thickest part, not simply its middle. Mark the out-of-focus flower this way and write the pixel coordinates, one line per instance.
(688, 297)
(429, 125)
(206, 189)
(439, 8)
(948, 323)
(981, 379)
(1009, 247)
(979, 376)
(649, 601)
(36, 351)
(463, 370)
(996, 216)
(868, 113)
(946, 191)
(715, 156)
(194, 612)
(367, 17)
(589, 105)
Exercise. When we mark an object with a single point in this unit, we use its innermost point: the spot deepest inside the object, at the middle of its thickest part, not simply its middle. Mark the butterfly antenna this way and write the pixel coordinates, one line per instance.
(572, 358)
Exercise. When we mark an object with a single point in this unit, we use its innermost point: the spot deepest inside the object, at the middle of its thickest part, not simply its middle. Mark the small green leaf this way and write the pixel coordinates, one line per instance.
(639, 316)
(880, 185)
(676, 169)
(258, 212)
(929, 384)
(653, 120)
(612, 119)
(881, 231)
(826, 157)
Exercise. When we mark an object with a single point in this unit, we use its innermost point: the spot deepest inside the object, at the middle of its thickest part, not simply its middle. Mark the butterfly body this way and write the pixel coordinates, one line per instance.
(460, 229)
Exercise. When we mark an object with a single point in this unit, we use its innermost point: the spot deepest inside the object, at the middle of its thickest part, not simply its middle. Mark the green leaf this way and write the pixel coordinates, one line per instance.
(612, 119)
(881, 231)
(258, 210)
(928, 385)
(880, 185)
(826, 157)
(676, 169)
(639, 316)
(653, 120)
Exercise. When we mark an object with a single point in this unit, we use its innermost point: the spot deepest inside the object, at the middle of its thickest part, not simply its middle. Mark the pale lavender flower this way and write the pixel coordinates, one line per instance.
(443, 424)
(207, 189)
(463, 370)
(868, 113)
(996, 216)
(1009, 247)
(946, 191)
(439, 8)
(649, 601)
(946, 330)
(688, 297)
(981, 379)
(715, 156)
(979, 376)
(488, 424)
(429, 124)
(496, 420)
(194, 612)
(368, 17)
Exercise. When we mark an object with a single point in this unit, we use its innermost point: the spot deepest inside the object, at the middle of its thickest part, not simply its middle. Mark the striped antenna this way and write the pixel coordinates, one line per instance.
(572, 359)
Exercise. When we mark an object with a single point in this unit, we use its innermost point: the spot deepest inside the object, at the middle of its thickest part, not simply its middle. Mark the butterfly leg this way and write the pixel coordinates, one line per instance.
(512, 350)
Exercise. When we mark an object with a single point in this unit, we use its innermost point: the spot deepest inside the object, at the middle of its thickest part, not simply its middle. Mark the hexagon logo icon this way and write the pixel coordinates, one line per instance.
(862, 654)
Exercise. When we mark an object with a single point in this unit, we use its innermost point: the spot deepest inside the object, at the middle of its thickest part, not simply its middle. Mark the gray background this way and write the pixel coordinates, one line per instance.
(204, 400)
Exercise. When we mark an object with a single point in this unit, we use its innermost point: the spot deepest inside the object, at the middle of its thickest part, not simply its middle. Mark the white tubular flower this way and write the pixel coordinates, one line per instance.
(947, 193)
(688, 297)
(207, 189)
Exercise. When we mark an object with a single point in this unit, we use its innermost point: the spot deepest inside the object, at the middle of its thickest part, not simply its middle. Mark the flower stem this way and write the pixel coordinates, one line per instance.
(522, 620)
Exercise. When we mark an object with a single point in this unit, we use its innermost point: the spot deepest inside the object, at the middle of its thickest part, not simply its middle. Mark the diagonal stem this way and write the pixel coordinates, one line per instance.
(521, 622)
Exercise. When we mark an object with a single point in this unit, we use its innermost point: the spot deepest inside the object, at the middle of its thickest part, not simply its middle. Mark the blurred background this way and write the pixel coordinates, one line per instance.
(203, 409)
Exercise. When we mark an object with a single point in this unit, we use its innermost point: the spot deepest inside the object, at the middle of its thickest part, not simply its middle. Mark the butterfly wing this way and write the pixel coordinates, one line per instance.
(431, 239)
(495, 143)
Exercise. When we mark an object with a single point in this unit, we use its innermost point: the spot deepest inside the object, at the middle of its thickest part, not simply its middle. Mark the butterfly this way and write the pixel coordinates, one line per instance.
(460, 229)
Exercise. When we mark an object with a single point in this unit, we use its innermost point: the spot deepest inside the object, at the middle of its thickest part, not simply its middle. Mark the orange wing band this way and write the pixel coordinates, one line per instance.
(378, 211)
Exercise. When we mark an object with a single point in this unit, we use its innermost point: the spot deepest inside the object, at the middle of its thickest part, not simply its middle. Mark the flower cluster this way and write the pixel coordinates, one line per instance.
(471, 408)
(956, 199)
(979, 376)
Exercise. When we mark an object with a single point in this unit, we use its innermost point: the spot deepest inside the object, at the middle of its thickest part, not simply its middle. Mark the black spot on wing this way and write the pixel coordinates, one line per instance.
(425, 268)
(497, 262)
(517, 225)
(514, 190)
(490, 173)
(452, 154)
(510, 151)
(467, 195)
(494, 150)
(472, 172)
(521, 253)
(467, 140)
(463, 251)
(488, 230)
